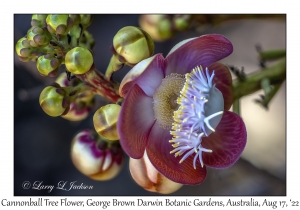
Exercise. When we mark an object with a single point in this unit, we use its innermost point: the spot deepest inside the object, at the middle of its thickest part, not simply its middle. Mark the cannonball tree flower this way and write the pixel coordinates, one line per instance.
(176, 110)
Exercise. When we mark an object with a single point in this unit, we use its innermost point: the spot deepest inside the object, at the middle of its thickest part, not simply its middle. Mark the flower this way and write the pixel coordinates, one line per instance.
(179, 104)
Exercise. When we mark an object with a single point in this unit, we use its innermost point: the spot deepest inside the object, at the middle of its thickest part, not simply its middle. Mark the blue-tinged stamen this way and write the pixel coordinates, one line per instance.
(196, 116)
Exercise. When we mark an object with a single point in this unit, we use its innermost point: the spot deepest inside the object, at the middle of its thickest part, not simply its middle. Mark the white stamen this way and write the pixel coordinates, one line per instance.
(190, 118)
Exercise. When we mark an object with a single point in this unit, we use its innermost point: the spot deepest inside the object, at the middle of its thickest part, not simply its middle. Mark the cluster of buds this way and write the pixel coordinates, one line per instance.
(51, 38)
(161, 27)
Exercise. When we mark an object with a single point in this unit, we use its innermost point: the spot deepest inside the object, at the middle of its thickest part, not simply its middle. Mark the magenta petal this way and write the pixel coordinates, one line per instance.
(223, 81)
(148, 74)
(203, 50)
(135, 121)
(158, 150)
(227, 143)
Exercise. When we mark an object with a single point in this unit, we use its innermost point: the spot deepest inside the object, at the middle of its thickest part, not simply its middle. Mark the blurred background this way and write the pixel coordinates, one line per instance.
(42, 143)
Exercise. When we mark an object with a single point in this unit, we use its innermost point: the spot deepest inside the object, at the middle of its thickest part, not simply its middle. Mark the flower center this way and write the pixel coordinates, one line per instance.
(200, 110)
(165, 99)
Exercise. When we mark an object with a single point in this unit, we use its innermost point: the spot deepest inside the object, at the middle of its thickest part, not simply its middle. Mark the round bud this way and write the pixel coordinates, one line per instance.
(145, 175)
(23, 49)
(85, 20)
(133, 45)
(38, 20)
(105, 121)
(165, 28)
(62, 80)
(48, 65)
(52, 101)
(79, 110)
(59, 24)
(181, 22)
(154, 25)
(76, 18)
(37, 37)
(79, 60)
(95, 156)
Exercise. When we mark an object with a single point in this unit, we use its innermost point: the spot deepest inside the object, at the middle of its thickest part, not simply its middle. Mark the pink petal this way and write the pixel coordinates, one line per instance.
(158, 150)
(148, 74)
(227, 143)
(223, 81)
(203, 50)
(135, 121)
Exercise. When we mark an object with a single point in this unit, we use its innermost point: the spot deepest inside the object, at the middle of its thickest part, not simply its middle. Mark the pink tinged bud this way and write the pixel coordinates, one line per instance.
(95, 157)
(78, 112)
(145, 175)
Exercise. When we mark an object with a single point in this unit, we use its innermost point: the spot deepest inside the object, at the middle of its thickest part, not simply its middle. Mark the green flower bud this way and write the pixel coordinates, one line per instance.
(48, 65)
(37, 37)
(79, 60)
(85, 20)
(59, 24)
(181, 22)
(95, 156)
(38, 20)
(159, 27)
(75, 34)
(105, 121)
(52, 101)
(133, 45)
(76, 18)
(23, 49)
(165, 29)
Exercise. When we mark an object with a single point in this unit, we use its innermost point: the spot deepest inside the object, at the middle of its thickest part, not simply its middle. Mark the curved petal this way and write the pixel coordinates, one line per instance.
(148, 74)
(158, 150)
(223, 81)
(203, 50)
(227, 143)
(135, 121)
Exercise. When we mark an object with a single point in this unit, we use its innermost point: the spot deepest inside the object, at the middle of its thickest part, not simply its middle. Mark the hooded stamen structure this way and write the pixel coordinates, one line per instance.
(200, 110)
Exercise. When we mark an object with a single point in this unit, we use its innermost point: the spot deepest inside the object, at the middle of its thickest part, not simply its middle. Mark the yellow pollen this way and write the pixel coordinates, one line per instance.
(165, 99)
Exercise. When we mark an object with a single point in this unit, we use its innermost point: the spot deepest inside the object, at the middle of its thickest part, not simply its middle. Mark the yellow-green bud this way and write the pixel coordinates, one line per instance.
(181, 22)
(23, 44)
(85, 20)
(38, 37)
(59, 24)
(76, 18)
(165, 28)
(133, 45)
(158, 26)
(52, 102)
(38, 20)
(48, 65)
(79, 60)
(105, 121)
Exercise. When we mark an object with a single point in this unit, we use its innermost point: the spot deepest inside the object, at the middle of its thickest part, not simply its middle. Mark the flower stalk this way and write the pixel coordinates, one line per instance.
(276, 74)
(100, 85)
